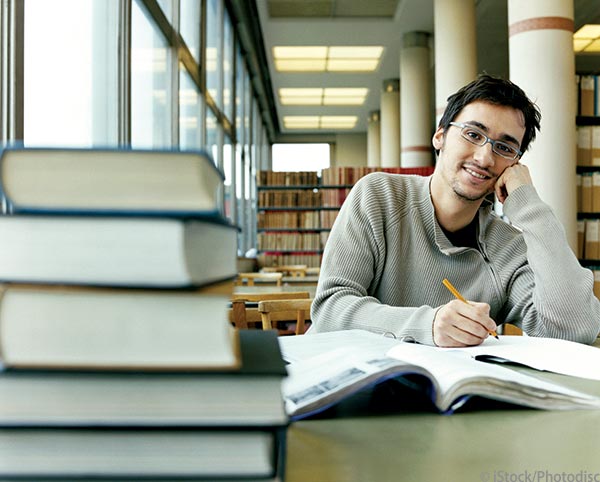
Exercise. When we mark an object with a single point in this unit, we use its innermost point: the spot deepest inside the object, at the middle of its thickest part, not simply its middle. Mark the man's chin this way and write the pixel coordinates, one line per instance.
(470, 196)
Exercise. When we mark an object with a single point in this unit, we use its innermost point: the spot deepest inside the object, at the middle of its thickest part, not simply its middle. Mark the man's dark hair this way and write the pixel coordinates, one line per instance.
(494, 90)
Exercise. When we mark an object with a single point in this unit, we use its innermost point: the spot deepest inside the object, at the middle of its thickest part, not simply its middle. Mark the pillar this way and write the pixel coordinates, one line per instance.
(542, 63)
(390, 123)
(455, 46)
(415, 101)
(373, 139)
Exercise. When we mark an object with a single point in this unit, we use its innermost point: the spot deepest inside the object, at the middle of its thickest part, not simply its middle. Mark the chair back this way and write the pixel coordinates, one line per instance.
(250, 278)
(244, 306)
(274, 310)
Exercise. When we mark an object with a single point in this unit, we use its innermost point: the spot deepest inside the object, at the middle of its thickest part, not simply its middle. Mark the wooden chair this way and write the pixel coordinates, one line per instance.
(271, 311)
(295, 270)
(508, 329)
(251, 278)
(241, 314)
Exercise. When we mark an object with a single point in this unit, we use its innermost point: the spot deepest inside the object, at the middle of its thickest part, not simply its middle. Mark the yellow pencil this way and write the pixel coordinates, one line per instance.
(460, 297)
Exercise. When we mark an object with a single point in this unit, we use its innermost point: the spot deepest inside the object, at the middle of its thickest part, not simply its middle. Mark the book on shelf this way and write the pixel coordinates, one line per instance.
(166, 252)
(591, 249)
(139, 454)
(109, 180)
(287, 178)
(76, 327)
(249, 397)
(580, 237)
(586, 95)
(584, 145)
(327, 368)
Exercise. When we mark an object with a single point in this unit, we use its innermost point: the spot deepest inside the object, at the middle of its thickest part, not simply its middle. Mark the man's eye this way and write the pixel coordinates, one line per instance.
(474, 135)
(504, 148)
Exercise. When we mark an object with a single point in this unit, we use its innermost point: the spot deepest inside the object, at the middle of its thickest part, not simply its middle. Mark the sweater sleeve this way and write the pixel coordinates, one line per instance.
(352, 266)
(552, 295)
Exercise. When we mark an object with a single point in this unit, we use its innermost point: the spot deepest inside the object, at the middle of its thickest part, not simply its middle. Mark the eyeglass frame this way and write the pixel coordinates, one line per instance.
(493, 142)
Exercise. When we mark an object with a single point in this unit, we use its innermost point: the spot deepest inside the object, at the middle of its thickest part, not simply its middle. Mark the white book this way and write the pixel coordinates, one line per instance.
(52, 179)
(328, 367)
(53, 327)
(118, 251)
(57, 454)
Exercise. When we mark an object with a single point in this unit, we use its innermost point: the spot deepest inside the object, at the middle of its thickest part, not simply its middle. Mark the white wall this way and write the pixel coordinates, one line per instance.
(350, 150)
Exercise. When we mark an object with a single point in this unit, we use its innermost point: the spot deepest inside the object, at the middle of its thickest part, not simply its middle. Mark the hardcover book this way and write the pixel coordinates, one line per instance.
(109, 180)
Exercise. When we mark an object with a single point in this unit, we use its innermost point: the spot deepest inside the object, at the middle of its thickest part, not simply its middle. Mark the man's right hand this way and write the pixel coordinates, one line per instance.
(462, 324)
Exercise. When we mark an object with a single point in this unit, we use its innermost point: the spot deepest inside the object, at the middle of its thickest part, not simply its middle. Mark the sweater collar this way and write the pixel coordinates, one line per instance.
(442, 242)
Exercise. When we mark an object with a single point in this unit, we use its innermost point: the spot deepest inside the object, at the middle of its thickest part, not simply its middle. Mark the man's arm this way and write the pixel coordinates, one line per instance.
(553, 295)
(354, 263)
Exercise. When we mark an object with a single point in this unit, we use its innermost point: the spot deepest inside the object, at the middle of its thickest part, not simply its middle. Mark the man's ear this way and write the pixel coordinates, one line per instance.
(438, 139)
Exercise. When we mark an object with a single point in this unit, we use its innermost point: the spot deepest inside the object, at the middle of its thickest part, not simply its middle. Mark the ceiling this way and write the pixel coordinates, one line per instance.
(376, 22)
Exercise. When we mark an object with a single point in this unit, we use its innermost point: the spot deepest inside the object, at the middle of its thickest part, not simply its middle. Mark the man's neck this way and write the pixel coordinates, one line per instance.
(451, 211)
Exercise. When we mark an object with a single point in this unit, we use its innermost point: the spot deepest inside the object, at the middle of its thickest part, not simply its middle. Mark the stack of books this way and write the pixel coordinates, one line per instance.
(118, 357)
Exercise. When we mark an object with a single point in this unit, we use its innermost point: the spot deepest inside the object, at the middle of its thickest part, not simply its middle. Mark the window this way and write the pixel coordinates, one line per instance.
(70, 75)
(189, 17)
(228, 59)
(300, 157)
(190, 112)
(150, 88)
(214, 64)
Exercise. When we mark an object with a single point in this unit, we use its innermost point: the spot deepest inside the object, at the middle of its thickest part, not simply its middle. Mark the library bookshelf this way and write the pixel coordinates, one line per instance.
(588, 174)
(296, 211)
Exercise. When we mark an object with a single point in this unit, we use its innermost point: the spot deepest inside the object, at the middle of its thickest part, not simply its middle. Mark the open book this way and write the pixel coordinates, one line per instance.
(325, 368)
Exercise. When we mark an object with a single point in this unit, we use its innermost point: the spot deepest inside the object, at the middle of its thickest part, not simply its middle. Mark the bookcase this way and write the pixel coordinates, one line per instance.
(588, 174)
(296, 211)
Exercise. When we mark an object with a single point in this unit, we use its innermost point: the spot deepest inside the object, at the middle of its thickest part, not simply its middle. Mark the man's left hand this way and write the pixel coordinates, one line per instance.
(512, 178)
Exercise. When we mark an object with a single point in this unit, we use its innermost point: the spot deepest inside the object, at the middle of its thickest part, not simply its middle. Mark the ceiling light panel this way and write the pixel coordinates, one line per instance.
(319, 122)
(588, 31)
(319, 96)
(322, 58)
(587, 39)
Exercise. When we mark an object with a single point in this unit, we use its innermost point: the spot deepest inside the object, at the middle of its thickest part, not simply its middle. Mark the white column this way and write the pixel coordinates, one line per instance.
(455, 46)
(390, 123)
(374, 139)
(415, 100)
(542, 63)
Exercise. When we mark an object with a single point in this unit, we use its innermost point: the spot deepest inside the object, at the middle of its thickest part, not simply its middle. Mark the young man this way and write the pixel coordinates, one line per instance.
(397, 237)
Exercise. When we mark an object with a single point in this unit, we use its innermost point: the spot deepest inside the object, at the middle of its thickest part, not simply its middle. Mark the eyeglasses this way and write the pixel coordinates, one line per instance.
(475, 136)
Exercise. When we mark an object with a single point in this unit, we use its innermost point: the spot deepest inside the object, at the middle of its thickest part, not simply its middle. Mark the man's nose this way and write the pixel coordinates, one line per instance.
(484, 154)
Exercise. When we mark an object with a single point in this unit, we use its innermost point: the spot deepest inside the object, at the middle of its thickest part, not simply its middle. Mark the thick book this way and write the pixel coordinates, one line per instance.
(58, 327)
(248, 398)
(167, 252)
(140, 454)
(81, 180)
(327, 368)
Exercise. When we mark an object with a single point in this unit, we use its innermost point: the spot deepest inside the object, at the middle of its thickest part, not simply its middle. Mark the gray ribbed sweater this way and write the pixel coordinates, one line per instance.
(386, 258)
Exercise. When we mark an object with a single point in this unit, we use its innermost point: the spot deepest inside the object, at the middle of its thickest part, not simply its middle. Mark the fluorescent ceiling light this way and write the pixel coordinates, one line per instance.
(300, 65)
(355, 52)
(352, 65)
(594, 46)
(323, 58)
(301, 122)
(300, 52)
(319, 96)
(319, 122)
(589, 30)
(586, 38)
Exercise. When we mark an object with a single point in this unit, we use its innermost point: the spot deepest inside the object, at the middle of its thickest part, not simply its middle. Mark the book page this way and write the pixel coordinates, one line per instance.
(549, 354)
(296, 348)
(457, 375)
(316, 383)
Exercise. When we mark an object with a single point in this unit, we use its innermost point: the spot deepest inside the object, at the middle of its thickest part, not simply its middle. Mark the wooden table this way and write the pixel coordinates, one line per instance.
(493, 445)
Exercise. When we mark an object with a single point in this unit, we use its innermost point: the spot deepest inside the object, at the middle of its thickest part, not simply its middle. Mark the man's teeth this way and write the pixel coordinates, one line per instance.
(476, 174)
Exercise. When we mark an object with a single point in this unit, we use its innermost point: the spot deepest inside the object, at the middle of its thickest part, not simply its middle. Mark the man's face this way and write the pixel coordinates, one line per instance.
(471, 171)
